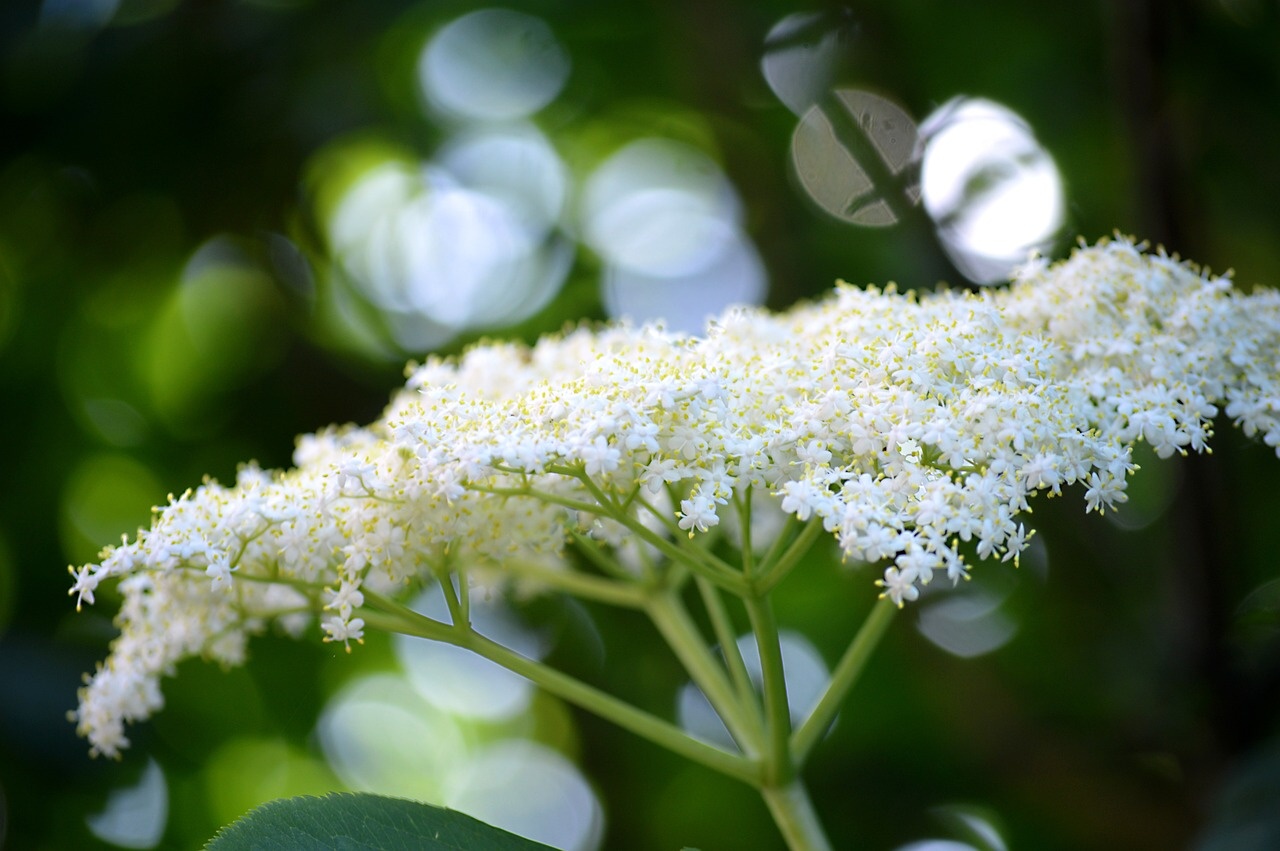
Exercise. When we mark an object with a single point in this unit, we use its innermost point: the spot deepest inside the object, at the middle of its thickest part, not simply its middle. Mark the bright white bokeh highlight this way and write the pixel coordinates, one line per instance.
(529, 789)
(994, 193)
(667, 223)
(492, 65)
(380, 735)
(448, 731)
(963, 820)
(515, 165)
(467, 242)
(655, 204)
(135, 817)
(458, 681)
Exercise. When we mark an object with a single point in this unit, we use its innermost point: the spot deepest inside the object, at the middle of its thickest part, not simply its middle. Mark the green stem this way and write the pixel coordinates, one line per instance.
(546, 496)
(457, 613)
(312, 589)
(777, 545)
(672, 620)
(464, 595)
(698, 558)
(385, 619)
(771, 751)
(780, 768)
(794, 814)
(666, 518)
(743, 505)
(396, 618)
(583, 585)
(619, 712)
(703, 562)
(778, 570)
(605, 563)
(842, 680)
(727, 637)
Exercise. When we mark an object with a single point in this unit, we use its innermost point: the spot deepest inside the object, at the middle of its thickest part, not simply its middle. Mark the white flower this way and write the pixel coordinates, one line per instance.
(351, 476)
(698, 513)
(899, 585)
(1105, 491)
(346, 630)
(219, 570)
(86, 583)
(903, 424)
(599, 457)
(345, 600)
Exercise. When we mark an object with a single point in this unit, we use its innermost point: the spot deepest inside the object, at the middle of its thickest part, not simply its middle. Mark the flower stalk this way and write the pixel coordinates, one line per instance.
(795, 816)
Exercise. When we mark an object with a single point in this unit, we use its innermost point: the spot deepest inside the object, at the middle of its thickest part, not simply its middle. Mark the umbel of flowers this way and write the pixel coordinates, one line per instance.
(601, 463)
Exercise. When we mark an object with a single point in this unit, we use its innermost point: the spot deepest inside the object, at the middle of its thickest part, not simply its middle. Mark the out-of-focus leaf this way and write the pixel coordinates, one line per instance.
(352, 822)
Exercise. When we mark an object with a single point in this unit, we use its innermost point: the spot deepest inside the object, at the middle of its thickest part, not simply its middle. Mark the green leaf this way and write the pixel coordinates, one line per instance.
(359, 822)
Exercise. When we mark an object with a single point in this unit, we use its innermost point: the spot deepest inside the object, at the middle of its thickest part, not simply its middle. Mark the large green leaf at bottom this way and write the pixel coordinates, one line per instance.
(358, 822)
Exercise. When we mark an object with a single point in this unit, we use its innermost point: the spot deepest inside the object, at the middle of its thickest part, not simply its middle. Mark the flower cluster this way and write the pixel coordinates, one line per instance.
(913, 429)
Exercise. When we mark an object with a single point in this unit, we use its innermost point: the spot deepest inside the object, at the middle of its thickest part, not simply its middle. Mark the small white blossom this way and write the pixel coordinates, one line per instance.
(899, 585)
(86, 583)
(698, 513)
(346, 630)
(345, 600)
(219, 570)
(351, 476)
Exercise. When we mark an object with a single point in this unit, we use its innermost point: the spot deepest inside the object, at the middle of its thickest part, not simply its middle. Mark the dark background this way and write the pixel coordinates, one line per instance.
(1136, 706)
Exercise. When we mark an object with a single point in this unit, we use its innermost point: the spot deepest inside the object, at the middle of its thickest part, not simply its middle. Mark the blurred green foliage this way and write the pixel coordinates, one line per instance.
(167, 310)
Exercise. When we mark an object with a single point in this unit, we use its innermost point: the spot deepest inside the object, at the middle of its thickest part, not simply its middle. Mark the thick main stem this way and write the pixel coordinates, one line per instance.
(794, 814)
(779, 765)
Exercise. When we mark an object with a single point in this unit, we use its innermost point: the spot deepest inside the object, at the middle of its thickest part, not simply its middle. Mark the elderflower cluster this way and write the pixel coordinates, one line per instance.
(912, 428)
